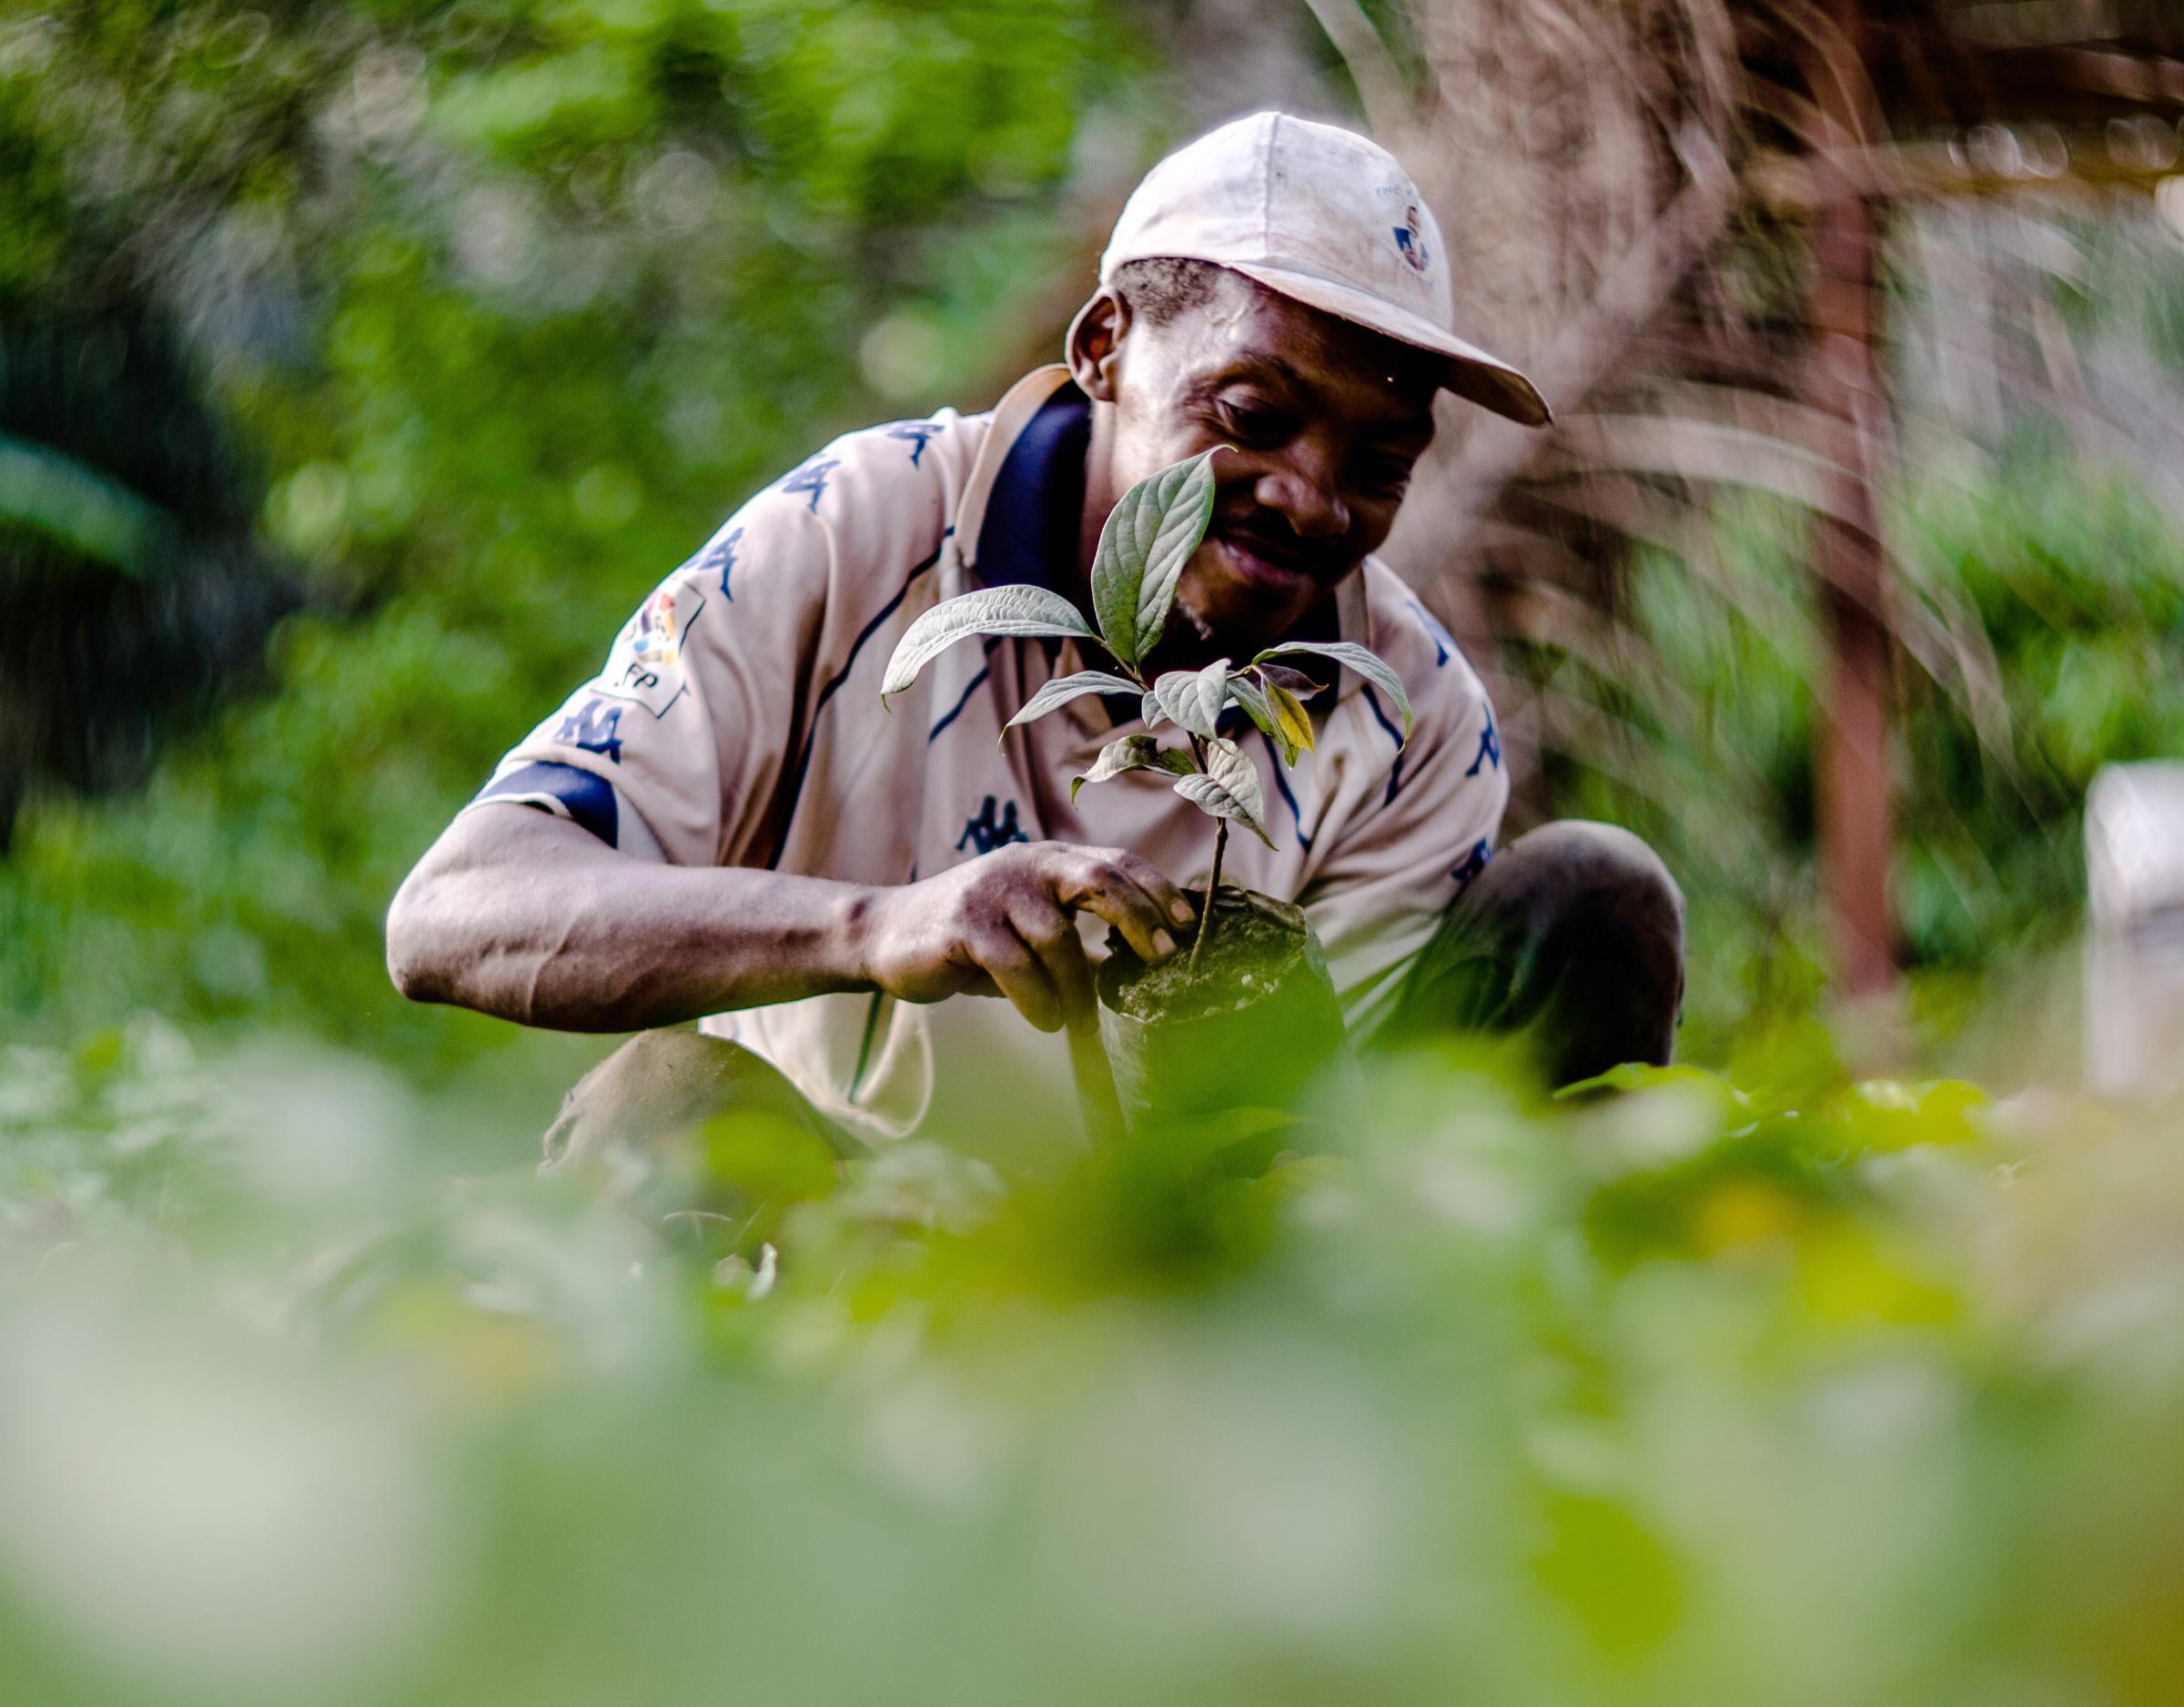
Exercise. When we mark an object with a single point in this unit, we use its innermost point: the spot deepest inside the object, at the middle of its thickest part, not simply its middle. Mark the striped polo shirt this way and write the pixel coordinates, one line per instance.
(737, 722)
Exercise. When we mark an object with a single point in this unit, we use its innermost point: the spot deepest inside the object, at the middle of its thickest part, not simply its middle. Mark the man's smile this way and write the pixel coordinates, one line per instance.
(1283, 570)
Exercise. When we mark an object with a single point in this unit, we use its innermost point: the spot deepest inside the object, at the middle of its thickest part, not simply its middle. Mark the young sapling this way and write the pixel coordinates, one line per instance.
(1143, 545)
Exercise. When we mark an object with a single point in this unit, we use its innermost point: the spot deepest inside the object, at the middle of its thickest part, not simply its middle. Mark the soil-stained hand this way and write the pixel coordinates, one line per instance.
(1004, 924)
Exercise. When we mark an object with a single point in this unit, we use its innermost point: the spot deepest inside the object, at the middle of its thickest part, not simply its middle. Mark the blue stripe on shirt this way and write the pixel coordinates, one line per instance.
(804, 759)
(585, 800)
(955, 711)
(1281, 784)
(1395, 772)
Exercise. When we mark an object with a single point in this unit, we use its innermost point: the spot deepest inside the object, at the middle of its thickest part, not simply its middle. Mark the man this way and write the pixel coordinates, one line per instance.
(726, 825)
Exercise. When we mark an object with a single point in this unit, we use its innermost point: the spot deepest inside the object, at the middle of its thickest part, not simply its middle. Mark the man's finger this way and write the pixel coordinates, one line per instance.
(1111, 890)
(1018, 974)
(1051, 935)
(1165, 893)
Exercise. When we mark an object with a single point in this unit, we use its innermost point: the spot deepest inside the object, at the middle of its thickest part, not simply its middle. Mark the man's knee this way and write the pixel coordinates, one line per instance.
(1599, 871)
(1573, 933)
(659, 1087)
(1602, 951)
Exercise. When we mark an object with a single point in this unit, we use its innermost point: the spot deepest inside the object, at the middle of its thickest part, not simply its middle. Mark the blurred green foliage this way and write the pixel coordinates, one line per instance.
(2078, 587)
(2040, 604)
(1698, 1392)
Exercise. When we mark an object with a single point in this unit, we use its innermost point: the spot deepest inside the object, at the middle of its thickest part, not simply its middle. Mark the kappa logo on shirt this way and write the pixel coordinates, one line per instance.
(1474, 863)
(596, 727)
(984, 833)
(811, 479)
(721, 555)
(1490, 748)
(918, 432)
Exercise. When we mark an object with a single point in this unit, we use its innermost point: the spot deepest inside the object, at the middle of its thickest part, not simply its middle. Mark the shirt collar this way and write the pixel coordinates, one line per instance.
(1010, 533)
(1016, 411)
(1029, 532)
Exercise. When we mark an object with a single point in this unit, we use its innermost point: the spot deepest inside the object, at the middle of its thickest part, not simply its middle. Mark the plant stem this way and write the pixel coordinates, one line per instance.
(1213, 885)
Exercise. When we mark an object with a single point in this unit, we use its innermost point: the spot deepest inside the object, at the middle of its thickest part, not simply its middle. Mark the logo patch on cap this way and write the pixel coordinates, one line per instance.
(1410, 240)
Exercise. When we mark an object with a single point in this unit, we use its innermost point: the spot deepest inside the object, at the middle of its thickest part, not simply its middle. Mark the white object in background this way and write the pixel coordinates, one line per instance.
(2135, 946)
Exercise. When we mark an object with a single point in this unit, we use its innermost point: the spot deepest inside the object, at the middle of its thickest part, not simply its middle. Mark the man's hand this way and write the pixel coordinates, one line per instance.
(1004, 924)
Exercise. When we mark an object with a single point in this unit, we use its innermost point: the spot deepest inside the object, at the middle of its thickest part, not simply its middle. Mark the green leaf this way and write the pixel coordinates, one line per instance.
(1133, 753)
(1063, 688)
(1278, 715)
(1147, 539)
(1295, 721)
(1229, 788)
(1249, 694)
(101, 518)
(1352, 656)
(1191, 699)
(1010, 610)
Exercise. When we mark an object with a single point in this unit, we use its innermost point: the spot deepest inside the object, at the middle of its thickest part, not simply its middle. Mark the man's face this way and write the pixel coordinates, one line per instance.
(1326, 419)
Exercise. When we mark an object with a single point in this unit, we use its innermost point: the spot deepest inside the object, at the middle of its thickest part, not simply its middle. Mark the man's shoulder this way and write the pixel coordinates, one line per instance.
(896, 476)
(1442, 686)
(857, 513)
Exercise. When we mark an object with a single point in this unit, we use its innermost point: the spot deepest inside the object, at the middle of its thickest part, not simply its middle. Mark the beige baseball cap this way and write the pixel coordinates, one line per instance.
(1324, 216)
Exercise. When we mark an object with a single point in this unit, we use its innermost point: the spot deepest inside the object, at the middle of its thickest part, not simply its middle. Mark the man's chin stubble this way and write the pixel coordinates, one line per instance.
(1193, 641)
(1202, 632)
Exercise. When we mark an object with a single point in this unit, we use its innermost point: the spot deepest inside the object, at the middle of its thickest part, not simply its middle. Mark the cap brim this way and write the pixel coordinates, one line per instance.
(1487, 380)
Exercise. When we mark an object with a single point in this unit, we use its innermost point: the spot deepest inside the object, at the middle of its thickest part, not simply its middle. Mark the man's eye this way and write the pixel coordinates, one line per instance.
(1253, 426)
(1387, 474)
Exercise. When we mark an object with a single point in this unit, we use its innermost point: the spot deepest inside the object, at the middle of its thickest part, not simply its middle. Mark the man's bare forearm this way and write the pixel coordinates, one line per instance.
(531, 918)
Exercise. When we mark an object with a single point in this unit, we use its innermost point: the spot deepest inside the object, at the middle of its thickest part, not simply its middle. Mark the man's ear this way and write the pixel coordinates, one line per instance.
(1094, 344)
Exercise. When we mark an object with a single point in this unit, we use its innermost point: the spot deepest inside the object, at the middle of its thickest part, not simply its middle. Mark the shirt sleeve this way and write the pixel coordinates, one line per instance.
(675, 750)
(1380, 894)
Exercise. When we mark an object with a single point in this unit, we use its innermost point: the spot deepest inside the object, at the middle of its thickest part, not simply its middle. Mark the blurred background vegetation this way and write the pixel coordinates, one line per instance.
(361, 366)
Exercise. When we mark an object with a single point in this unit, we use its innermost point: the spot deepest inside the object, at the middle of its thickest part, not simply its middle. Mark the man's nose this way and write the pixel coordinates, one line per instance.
(1307, 499)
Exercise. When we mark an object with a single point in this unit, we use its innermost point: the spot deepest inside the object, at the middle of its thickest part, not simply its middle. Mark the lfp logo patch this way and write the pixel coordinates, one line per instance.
(657, 637)
(1410, 239)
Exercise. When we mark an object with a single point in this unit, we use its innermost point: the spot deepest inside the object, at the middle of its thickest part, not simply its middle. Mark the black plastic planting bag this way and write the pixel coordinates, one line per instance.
(1254, 1026)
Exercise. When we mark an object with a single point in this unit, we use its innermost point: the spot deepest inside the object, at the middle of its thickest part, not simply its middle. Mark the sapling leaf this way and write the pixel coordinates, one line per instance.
(1280, 675)
(1352, 656)
(1010, 610)
(1295, 721)
(1276, 712)
(1249, 694)
(1133, 753)
(1063, 688)
(1193, 699)
(1147, 539)
(1229, 788)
